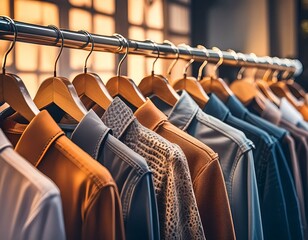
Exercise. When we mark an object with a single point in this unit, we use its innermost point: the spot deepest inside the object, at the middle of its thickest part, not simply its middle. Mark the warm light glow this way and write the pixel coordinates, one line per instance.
(155, 15)
(155, 35)
(36, 12)
(47, 57)
(77, 58)
(179, 18)
(106, 6)
(103, 61)
(4, 45)
(31, 82)
(134, 73)
(136, 11)
(81, 3)
(26, 56)
(136, 33)
(104, 25)
(136, 70)
(5, 7)
(80, 19)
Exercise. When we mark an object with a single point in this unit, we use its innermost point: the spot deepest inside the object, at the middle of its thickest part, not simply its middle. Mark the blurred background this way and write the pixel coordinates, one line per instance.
(264, 27)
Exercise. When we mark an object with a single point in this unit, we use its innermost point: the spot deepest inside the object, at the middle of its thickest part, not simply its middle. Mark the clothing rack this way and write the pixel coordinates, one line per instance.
(37, 34)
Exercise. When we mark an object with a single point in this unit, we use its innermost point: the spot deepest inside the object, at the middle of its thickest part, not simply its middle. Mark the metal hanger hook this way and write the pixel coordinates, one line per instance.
(276, 72)
(12, 23)
(241, 71)
(59, 32)
(204, 49)
(287, 73)
(120, 37)
(158, 54)
(255, 59)
(171, 66)
(268, 71)
(189, 48)
(221, 60)
(90, 38)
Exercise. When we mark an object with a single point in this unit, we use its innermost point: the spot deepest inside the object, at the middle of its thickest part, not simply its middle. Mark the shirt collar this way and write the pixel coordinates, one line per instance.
(236, 107)
(184, 111)
(216, 108)
(118, 117)
(90, 134)
(271, 112)
(37, 138)
(4, 142)
(289, 113)
(149, 115)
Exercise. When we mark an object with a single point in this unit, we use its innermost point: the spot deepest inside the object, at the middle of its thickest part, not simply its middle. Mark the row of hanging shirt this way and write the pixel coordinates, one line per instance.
(177, 165)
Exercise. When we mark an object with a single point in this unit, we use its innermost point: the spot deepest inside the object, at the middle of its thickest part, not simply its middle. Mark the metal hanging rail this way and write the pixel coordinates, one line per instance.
(44, 35)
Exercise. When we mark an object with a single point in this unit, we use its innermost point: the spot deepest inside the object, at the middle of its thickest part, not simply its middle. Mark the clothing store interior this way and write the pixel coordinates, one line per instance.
(154, 119)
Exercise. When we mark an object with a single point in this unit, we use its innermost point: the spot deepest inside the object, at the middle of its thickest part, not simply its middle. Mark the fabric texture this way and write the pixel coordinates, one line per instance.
(30, 203)
(273, 114)
(129, 170)
(285, 155)
(178, 212)
(204, 169)
(236, 161)
(90, 199)
(271, 195)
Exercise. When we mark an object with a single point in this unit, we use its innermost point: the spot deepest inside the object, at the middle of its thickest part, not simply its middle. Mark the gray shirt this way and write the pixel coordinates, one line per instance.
(129, 170)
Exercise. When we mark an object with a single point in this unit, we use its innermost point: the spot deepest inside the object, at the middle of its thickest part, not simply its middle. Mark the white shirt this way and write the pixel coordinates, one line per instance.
(30, 203)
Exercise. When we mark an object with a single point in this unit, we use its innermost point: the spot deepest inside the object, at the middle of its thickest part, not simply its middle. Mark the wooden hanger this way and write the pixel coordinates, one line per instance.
(281, 90)
(245, 88)
(60, 91)
(191, 84)
(215, 84)
(296, 89)
(263, 85)
(158, 85)
(90, 84)
(124, 86)
(12, 89)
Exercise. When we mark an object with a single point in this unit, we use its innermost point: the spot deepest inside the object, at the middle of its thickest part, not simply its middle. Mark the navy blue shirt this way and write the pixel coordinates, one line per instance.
(282, 152)
(271, 195)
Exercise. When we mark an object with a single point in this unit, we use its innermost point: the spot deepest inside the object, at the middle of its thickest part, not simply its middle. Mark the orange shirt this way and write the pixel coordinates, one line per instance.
(206, 173)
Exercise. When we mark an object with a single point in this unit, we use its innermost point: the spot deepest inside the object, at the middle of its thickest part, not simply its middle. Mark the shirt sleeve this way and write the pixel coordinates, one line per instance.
(103, 218)
(213, 203)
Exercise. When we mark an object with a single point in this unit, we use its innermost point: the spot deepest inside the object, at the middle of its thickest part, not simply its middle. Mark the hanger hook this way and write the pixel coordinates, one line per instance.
(233, 53)
(120, 37)
(276, 72)
(59, 32)
(243, 68)
(269, 60)
(204, 49)
(221, 59)
(158, 54)
(189, 48)
(90, 38)
(175, 60)
(287, 73)
(256, 61)
(12, 23)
